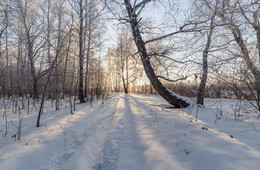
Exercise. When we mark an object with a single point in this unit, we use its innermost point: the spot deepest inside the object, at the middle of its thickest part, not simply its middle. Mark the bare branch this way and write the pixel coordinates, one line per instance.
(174, 33)
(141, 4)
(167, 79)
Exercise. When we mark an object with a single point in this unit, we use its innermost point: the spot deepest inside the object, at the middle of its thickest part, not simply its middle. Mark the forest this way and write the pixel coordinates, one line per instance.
(55, 53)
(56, 49)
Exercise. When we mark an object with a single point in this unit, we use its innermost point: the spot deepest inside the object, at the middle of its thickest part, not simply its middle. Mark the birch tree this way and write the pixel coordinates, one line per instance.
(133, 10)
(62, 35)
(87, 12)
(33, 28)
(201, 90)
(236, 15)
(79, 8)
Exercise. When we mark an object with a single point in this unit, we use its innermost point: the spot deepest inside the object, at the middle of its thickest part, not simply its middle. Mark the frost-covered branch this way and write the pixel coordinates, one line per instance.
(174, 33)
(170, 80)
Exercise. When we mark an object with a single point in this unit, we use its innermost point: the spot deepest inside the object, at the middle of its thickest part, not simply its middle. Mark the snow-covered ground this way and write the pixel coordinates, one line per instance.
(133, 131)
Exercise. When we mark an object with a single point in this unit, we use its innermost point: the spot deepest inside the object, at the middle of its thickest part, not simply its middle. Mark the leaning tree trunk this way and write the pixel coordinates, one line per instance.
(170, 97)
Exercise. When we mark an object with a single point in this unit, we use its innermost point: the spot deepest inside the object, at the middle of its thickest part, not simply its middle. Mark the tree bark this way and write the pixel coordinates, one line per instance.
(124, 84)
(161, 89)
(88, 56)
(8, 79)
(201, 90)
(81, 56)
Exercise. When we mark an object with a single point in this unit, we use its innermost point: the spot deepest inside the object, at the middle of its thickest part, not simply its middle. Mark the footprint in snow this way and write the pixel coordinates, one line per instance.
(204, 128)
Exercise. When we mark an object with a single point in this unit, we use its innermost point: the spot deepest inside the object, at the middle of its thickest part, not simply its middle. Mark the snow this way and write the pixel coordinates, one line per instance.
(132, 132)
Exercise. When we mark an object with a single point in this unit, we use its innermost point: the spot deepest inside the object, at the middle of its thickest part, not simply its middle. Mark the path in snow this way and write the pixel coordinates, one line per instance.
(142, 134)
(128, 131)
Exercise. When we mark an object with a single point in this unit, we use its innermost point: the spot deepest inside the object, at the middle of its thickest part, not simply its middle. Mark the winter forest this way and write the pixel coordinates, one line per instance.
(129, 84)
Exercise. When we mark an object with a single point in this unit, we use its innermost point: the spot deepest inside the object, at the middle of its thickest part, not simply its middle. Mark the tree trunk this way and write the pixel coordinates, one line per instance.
(87, 63)
(201, 90)
(124, 84)
(34, 78)
(170, 97)
(8, 79)
(81, 56)
(127, 75)
(65, 67)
